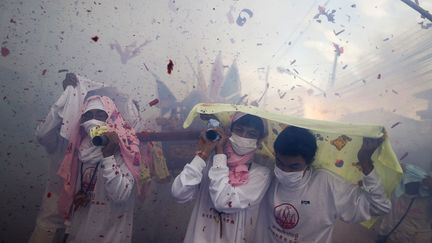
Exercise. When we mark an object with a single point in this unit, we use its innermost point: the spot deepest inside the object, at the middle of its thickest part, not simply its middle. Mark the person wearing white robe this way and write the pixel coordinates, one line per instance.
(302, 203)
(224, 211)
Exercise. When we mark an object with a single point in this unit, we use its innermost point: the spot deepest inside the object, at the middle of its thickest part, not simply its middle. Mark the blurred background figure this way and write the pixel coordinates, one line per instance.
(411, 217)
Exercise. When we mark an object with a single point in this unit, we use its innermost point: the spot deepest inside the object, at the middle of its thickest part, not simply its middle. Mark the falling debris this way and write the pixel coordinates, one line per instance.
(95, 38)
(4, 51)
(63, 70)
(403, 156)
(170, 66)
(128, 52)
(379, 76)
(344, 67)
(230, 16)
(353, 6)
(394, 125)
(292, 62)
(241, 20)
(329, 14)
(337, 33)
(153, 102)
(44, 72)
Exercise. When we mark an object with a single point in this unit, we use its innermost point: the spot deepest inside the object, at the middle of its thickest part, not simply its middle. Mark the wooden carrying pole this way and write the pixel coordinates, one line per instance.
(168, 136)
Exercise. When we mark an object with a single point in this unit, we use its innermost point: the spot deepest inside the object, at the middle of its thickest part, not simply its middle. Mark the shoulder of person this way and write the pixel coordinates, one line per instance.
(260, 169)
(326, 175)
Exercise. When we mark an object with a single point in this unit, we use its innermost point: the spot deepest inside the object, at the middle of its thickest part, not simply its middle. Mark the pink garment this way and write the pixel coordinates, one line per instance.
(238, 164)
(128, 148)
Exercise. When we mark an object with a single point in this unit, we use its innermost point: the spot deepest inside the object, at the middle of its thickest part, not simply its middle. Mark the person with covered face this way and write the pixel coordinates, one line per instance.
(100, 182)
(303, 203)
(226, 183)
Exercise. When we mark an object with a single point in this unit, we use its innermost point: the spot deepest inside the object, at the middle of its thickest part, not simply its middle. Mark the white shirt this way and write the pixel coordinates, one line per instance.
(307, 213)
(222, 212)
(109, 215)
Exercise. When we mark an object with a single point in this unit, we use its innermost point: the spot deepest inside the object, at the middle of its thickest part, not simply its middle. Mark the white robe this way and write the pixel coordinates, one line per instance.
(222, 213)
(109, 215)
(307, 213)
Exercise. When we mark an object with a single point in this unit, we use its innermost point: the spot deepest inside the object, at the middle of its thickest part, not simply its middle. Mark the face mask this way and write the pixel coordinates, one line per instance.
(88, 125)
(289, 179)
(242, 146)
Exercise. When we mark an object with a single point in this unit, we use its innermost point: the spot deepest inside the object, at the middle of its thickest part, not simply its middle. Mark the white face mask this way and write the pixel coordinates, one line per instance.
(289, 179)
(242, 146)
(87, 125)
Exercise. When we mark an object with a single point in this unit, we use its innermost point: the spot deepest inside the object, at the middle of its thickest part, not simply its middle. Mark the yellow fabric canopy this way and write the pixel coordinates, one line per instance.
(338, 143)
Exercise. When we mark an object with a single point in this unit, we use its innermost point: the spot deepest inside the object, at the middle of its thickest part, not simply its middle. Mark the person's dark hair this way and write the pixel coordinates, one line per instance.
(296, 141)
(251, 121)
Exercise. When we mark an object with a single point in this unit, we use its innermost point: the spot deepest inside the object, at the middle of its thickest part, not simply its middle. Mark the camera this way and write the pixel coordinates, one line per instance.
(101, 140)
(98, 137)
(211, 134)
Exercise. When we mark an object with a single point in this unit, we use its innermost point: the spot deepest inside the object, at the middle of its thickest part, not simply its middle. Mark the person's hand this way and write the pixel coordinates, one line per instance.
(70, 79)
(364, 155)
(113, 145)
(205, 147)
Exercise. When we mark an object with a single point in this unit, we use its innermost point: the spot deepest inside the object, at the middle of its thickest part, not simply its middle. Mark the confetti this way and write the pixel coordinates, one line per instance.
(153, 102)
(337, 33)
(4, 51)
(170, 66)
(128, 52)
(404, 156)
(329, 14)
(95, 38)
(242, 20)
(394, 125)
(229, 15)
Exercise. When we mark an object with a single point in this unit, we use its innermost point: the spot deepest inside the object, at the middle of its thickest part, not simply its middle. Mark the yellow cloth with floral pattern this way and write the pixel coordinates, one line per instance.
(338, 143)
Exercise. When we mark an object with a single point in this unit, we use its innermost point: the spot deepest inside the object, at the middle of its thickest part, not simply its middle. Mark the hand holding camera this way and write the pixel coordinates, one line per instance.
(213, 137)
(112, 146)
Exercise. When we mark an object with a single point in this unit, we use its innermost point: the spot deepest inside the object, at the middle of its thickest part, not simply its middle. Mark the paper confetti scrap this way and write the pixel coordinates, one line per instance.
(241, 20)
(154, 102)
(170, 66)
(394, 125)
(4, 51)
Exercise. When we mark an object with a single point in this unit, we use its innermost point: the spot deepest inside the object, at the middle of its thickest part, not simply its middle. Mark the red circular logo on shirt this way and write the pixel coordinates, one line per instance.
(286, 215)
